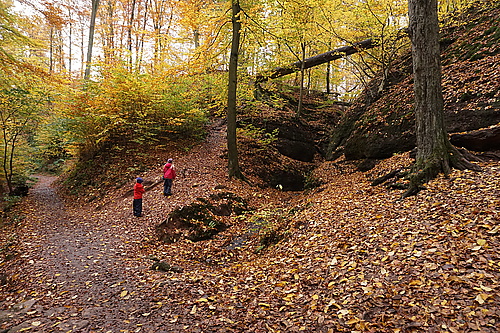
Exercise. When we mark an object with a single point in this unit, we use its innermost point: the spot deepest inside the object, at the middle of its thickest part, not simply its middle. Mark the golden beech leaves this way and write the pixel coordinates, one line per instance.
(481, 298)
(352, 258)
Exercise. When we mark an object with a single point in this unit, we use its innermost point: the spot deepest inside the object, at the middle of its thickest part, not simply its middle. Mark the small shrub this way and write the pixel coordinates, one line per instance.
(311, 181)
(263, 138)
(272, 227)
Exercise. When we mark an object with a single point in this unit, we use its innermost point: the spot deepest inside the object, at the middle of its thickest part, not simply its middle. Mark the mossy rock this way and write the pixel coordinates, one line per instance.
(164, 266)
(202, 219)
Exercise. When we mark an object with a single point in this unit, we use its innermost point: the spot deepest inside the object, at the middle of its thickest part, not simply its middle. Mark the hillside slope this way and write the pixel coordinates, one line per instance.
(342, 257)
(379, 125)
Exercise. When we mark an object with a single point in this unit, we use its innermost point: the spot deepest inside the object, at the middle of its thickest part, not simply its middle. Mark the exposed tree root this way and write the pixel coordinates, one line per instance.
(426, 170)
(390, 175)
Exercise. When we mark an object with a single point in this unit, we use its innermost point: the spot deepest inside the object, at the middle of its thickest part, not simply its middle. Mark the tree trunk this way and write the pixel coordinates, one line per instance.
(328, 73)
(5, 159)
(140, 43)
(129, 32)
(109, 32)
(60, 50)
(435, 153)
(302, 75)
(196, 39)
(95, 6)
(317, 60)
(233, 166)
(70, 42)
(51, 50)
(82, 50)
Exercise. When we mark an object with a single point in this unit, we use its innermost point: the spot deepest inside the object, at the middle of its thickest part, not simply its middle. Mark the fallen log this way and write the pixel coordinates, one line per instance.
(317, 60)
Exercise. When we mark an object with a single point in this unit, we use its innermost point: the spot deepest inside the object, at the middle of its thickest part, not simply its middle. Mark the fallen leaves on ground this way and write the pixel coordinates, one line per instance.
(353, 258)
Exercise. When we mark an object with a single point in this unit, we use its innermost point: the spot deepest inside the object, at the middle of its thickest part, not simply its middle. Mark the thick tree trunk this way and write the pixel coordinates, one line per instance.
(233, 166)
(435, 154)
(317, 60)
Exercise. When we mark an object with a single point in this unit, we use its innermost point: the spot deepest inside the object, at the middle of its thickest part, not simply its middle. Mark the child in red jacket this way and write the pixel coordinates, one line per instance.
(138, 192)
(168, 177)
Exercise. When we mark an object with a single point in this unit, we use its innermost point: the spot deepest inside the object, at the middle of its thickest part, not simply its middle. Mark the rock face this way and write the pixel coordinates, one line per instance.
(487, 139)
(297, 150)
(296, 144)
(381, 123)
(299, 139)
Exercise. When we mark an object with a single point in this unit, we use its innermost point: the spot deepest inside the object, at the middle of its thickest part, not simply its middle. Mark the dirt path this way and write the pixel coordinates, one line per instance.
(82, 265)
(85, 267)
(82, 277)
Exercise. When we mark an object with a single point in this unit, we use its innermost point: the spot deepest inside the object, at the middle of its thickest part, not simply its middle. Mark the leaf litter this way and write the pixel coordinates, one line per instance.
(352, 257)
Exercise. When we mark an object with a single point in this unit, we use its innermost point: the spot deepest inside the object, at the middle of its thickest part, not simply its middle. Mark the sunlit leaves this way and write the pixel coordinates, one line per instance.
(12, 42)
(140, 107)
(21, 109)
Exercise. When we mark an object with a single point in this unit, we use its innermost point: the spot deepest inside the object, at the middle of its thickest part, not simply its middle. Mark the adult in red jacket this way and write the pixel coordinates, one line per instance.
(168, 177)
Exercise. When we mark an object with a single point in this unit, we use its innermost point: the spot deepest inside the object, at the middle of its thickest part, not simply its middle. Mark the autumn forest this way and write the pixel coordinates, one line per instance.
(337, 166)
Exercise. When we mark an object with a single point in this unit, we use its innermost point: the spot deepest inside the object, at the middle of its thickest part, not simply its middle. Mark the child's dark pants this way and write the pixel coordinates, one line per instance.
(167, 186)
(137, 207)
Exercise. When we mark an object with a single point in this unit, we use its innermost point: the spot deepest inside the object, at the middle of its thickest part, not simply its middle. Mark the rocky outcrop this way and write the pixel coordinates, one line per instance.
(379, 125)
(202, 219)
(486, 139)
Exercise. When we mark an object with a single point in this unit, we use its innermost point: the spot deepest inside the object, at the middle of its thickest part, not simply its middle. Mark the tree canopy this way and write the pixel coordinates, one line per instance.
(155, 68)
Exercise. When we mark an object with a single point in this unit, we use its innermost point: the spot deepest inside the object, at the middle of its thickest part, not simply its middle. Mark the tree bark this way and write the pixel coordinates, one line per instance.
(328, 73)
(51, 50)
(232, 149)
(302, 75)
(70, 42)
(435, 154)
(140, 39)
(129, 34)
(317, 60)
(95, 6)
(196, 39)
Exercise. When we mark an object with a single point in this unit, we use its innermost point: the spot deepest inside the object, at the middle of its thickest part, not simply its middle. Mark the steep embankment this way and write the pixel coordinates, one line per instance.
(379, 125)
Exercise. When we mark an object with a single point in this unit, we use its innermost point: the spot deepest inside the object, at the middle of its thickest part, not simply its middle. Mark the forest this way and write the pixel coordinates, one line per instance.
(337, 166)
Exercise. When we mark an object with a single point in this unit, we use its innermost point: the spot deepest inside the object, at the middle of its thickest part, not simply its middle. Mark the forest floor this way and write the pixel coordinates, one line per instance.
(350, 257)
